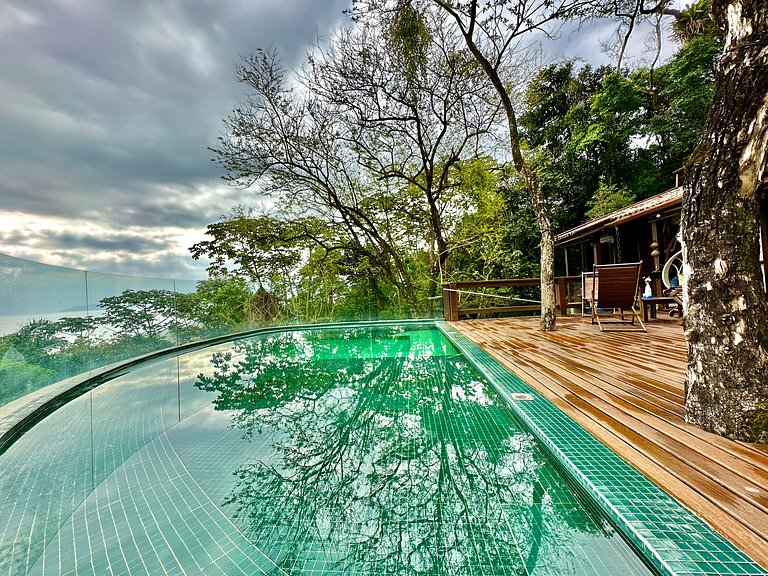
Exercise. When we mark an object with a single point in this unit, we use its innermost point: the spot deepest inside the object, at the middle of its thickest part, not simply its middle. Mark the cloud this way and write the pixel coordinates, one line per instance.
(91, 245)
(120, 242)
(109, 109)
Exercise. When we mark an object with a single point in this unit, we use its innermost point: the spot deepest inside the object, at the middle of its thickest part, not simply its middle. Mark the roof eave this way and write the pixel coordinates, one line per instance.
(617, 217)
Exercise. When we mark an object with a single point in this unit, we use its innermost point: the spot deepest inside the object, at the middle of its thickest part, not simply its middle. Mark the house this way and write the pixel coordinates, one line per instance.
(646, 230)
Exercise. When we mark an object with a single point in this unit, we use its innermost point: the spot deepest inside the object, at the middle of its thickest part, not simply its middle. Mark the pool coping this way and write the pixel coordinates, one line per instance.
(671, 538)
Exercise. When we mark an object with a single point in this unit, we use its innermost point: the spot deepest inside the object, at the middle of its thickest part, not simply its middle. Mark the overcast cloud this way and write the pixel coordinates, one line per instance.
(107, 110)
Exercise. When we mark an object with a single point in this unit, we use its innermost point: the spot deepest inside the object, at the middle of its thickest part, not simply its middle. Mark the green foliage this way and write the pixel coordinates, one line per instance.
(38, 353)
(218, 303)
(255, 248)
(695, 21)
(141, 313)
(684, 89)
(37, 339)
(608, 198)
(614, 120)
(557, 113)
(587, 128)
(18, 378)
(409, 39)
(499, 237)
(132, 323)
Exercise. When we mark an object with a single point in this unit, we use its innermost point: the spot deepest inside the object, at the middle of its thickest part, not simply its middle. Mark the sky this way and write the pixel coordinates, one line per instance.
(107, 110)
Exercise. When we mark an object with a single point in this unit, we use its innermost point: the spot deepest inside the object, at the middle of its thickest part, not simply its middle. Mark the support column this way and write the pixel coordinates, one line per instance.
(562, 300)
(450, 302)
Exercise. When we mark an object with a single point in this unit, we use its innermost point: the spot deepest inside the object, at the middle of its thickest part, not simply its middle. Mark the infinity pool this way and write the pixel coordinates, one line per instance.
(375, 450)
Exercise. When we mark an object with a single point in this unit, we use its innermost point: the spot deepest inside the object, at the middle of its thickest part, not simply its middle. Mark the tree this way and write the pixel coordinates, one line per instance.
(681, 93)
(288, 141)
(219, 303)
(498, 238)
(140, 314)
(603, 137)
(614, 119)
(252, 247)
(556, 112)
(415, 108)
(608, 198)
(30, 358)
(492, 32)
(366, 140)
(307, 264)
(727, 310)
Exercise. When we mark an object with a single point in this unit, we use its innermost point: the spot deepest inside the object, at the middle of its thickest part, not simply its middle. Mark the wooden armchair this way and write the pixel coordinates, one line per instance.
(614, 294)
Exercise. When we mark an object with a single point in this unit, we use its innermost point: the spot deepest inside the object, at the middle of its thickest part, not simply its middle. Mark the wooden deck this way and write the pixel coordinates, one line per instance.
(626, 388)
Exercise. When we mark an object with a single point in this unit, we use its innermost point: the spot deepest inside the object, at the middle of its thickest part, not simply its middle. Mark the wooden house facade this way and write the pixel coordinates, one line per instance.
(646, 230)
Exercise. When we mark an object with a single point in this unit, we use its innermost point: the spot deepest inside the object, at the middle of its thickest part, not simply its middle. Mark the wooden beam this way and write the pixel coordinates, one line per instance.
(562, 300)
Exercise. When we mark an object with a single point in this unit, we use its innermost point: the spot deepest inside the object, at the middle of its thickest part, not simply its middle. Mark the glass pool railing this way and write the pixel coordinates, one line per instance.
(58, 322)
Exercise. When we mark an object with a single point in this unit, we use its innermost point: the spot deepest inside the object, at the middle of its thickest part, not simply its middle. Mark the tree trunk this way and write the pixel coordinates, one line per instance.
(548, 305)
(535, 193)
(727, 310)
(437, 233)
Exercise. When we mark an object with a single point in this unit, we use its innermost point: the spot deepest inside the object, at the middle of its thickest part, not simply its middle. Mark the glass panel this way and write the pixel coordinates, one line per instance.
(57, 322)
(134, 315)
(188, 322)
(43, 325)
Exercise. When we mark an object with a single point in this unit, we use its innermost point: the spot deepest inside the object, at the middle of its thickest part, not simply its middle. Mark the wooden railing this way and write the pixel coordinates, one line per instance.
(567, 290)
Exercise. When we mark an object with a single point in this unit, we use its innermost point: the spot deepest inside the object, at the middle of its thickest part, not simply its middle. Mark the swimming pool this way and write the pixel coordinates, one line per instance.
(357, 450)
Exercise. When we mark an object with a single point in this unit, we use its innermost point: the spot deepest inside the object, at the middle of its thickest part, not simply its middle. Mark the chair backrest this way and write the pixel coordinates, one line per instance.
(618, 284)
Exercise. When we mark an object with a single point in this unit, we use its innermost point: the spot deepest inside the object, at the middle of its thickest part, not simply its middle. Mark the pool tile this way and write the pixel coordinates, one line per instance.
(671, 537)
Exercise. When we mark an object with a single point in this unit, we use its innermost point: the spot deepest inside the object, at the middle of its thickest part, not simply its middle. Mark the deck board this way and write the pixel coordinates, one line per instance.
(626, 388)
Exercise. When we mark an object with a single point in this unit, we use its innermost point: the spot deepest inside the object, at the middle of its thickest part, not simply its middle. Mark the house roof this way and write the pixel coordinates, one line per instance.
(664, 200)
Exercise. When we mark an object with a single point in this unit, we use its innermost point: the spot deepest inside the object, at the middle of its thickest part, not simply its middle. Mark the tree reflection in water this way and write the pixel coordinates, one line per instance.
(389, 457)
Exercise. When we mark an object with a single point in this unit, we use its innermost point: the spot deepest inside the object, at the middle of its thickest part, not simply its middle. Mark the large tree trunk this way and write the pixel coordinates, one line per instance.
(548, 303)
(538, 201)
(547, 258)
(727, 310)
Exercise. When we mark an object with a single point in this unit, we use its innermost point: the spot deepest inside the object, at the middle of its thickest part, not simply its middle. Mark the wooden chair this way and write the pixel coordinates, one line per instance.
(614, 293)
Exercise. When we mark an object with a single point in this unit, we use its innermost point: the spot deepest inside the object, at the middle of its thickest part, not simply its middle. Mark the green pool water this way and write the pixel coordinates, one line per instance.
(375, 450)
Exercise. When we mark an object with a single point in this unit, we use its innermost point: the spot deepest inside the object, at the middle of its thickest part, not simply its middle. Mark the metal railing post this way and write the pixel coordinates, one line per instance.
(450, 302)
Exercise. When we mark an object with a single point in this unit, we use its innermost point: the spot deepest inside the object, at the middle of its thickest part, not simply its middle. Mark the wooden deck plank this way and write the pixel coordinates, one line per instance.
(626, 388)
